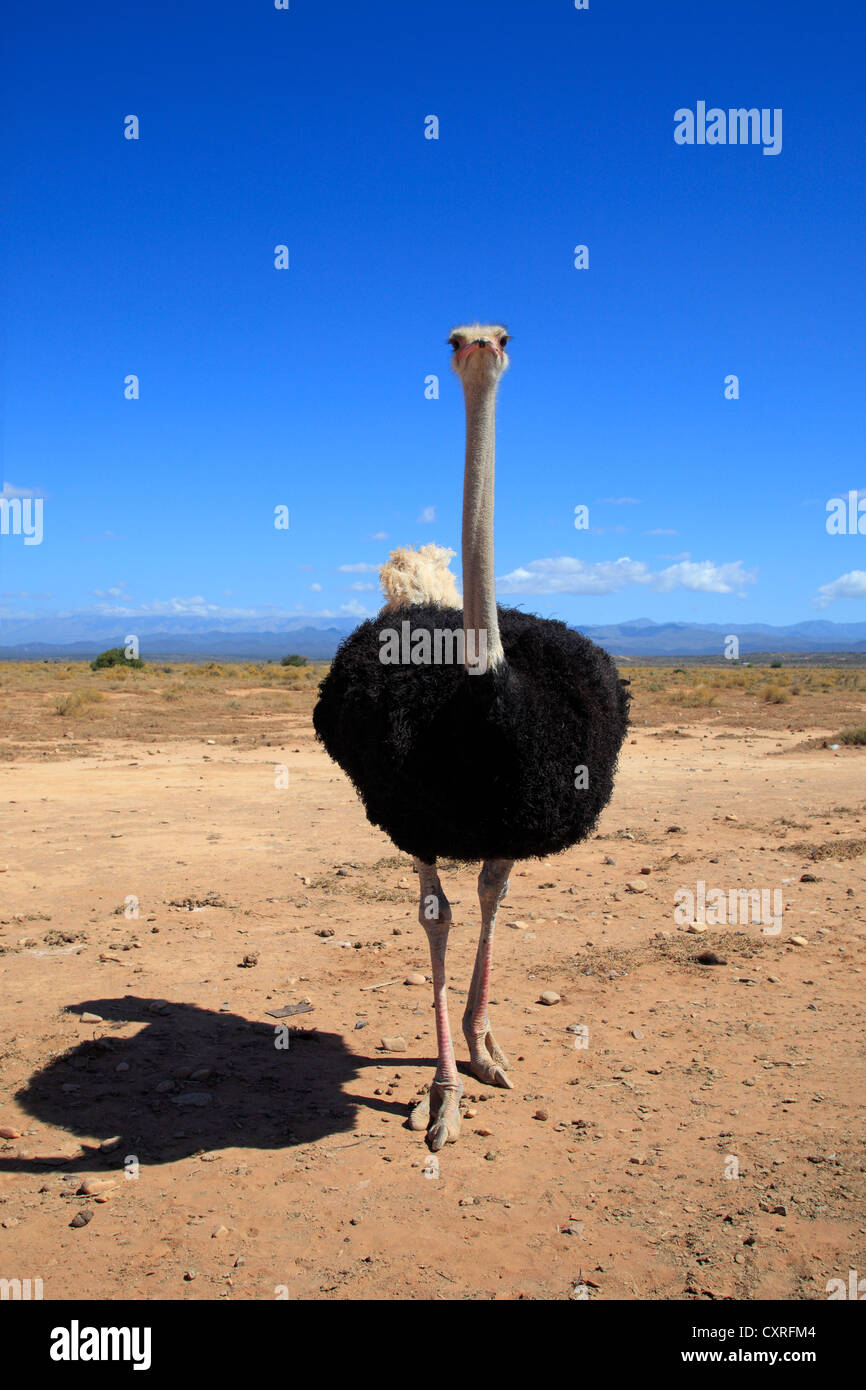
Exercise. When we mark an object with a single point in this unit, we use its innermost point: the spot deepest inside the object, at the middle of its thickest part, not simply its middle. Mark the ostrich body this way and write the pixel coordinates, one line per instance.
(508, 754)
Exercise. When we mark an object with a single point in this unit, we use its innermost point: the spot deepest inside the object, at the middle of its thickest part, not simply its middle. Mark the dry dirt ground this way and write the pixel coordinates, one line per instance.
(676, 1130)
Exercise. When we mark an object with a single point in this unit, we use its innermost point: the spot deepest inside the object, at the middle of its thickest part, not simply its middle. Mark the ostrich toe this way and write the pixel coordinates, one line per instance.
(439, 1113)
(487, 1061)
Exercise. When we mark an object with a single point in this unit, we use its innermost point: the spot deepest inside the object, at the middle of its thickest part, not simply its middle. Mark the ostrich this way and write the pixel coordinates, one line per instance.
(507, 753)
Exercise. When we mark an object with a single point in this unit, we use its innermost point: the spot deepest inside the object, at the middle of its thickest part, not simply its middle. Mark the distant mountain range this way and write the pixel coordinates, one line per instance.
(82, 636)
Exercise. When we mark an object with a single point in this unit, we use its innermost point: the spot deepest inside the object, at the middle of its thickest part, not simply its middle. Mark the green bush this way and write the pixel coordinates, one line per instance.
(115, 656)
(294, 660)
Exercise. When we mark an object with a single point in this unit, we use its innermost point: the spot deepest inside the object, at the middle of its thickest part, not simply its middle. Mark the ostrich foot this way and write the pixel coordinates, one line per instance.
(439, 1113)
(487, 1061)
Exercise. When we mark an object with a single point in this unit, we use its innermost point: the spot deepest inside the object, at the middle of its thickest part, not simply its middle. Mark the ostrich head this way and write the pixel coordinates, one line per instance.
(479, 352)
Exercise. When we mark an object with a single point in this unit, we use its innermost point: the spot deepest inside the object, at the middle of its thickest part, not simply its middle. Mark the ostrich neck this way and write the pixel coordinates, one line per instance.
(479, 592)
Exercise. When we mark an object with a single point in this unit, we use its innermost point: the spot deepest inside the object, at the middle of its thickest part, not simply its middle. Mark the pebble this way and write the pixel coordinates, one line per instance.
(798, 940)
(218, 1232)
(81, 1218)
(634, 885)
(113, 1143)
(809, 878)
(393, 1044)
(200, 1074)
(122, 1066)
(709, 958)
(92, 1187)
(696, 928)
(91, 1018)
(773, 980)
(485, 1133)
(549, 996)
(540, 1115)
(324, 931)
(416, 978)
(9, 1132)
(574, 1228)
(637, 1033)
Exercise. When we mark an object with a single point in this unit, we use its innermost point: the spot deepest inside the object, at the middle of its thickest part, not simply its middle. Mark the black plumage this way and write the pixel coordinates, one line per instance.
(467, 767)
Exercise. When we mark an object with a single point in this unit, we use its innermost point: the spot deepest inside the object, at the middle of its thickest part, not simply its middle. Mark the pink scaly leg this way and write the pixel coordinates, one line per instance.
(487, 1060)
(439, 1111)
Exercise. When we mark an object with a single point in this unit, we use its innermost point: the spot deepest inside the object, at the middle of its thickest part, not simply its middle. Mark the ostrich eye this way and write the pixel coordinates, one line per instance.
(455, 343)
(506, 338)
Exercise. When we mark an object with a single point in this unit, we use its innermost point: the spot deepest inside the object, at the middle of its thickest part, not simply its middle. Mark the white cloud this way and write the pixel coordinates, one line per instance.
(361, 568)
(315, 588)
(568, 575)
(118, 590)
(378, 536)
(10, 490)
(850, 585)
(427, 516)
(360, 587)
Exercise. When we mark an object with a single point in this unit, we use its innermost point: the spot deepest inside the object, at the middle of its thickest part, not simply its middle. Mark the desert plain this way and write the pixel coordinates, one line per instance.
(180, 862)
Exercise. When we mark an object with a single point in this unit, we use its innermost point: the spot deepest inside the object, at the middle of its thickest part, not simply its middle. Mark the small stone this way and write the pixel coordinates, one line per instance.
(574, 1228)
(324, 931)
(637, 1033)
(634, 885)
(485, 1133)
(393, 1044)
(809, 878)
(165, 1086)
(696, 928)
(798, 940)
(416, 978)
(9, 1132)
(113, 1143)
(540, 1115)
(549, 996)
(81, 1218)
(219, 1232)
(92, 1187)
(189, 1275)
(470, 1114)
(122, 1067)
(249, 960)
(773, 980)
(709, 958)
(91, 1018)
(200, 1074)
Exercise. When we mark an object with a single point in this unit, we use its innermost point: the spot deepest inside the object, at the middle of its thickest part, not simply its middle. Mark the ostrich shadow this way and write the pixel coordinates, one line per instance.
(258, 1096)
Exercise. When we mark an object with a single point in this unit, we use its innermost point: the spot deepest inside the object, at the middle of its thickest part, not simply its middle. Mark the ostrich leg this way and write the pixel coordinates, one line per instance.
(439, 1111)
(487, 1060)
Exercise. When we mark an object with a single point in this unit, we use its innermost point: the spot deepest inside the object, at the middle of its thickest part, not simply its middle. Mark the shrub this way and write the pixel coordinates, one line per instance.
(775, 695)
(78, 700)
(294, 660)
(115, 656)
(853, 736)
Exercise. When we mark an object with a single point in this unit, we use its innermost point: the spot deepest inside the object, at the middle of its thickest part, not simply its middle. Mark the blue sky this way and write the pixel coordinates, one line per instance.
(306, 387)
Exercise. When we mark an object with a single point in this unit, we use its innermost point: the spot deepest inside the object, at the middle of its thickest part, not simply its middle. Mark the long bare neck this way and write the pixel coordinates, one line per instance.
(479, 593)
